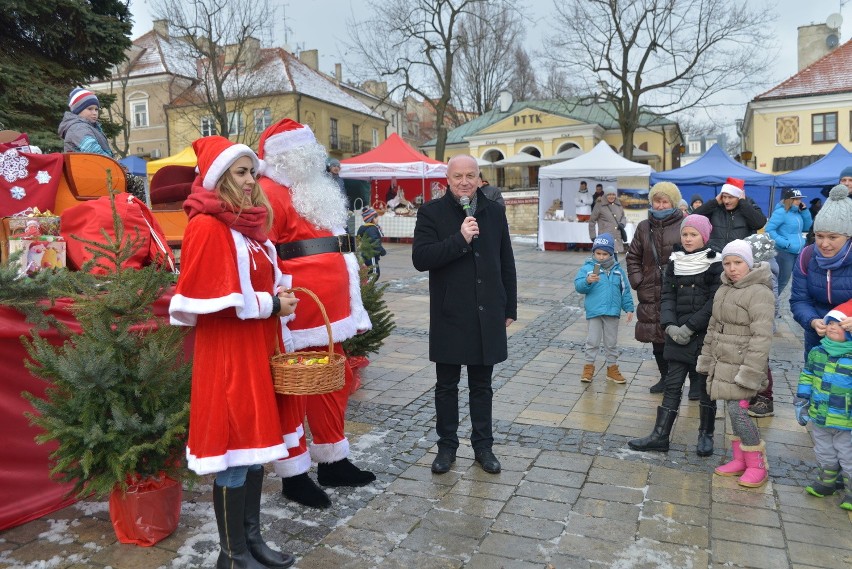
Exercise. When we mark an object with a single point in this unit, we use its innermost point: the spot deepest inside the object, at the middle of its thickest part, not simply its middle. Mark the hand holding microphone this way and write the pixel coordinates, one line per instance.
(469, 228)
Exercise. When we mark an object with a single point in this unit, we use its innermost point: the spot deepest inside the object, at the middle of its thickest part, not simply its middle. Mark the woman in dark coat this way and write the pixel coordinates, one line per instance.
(647, 256)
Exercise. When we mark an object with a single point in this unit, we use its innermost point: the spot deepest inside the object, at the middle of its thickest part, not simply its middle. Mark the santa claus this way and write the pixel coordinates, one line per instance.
(308, 228)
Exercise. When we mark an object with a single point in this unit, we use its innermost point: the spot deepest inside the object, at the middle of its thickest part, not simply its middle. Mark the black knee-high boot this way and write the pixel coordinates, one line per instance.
(229, 505)
(258, 548)
(706, 428)
(663, 366)
(658, 440)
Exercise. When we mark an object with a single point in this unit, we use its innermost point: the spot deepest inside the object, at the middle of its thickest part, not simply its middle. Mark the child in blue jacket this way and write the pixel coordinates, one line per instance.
(607, 291)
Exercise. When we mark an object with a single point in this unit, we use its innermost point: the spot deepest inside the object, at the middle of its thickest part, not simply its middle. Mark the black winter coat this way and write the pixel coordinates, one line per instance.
(688, 299)
(472, 287)
(645, 270)
(742, 221)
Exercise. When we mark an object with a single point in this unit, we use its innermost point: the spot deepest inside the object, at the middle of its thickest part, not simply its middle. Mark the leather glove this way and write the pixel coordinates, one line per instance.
(802, 406)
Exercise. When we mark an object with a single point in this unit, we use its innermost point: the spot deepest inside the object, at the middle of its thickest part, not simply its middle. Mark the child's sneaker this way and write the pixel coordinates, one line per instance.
(846, 504)
(762, 407)
(613, 374)
(825, 484)
(588, 372)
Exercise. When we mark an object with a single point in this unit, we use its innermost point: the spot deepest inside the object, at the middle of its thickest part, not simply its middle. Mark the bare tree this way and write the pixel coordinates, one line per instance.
(523, 84)
(416, 42)
(662, 56)
(223, 37)
(491, 34)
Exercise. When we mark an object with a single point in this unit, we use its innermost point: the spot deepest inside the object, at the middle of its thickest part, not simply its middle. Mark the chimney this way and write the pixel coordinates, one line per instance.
(310, 57)
(162, 27)
(504, 101)
(338, 73)
(814, 41)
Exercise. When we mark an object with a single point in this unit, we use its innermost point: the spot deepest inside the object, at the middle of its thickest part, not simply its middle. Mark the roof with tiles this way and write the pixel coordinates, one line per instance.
(830, 74)
(577, 108)
(277, 72)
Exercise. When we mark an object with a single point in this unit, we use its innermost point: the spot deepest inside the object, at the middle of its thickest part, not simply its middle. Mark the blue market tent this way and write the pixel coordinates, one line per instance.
(135, 165)
(820, 176)
(706, 175)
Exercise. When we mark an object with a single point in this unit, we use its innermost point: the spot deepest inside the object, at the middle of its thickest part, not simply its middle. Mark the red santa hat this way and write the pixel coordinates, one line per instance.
(284, 135)
(734, 187)
(216, 154)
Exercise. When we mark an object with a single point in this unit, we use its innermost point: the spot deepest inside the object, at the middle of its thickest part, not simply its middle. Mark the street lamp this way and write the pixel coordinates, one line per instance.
(747, 156)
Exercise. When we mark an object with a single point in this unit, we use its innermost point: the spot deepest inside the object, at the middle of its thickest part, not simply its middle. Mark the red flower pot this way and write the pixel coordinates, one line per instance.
(147, 512)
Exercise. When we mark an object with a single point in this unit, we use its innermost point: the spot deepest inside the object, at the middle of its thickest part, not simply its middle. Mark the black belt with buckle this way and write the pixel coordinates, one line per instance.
(306, 247)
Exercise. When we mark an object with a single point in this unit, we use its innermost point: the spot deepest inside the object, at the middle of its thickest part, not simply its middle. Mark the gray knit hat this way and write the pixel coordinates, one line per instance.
(836, 213)
(762, 246)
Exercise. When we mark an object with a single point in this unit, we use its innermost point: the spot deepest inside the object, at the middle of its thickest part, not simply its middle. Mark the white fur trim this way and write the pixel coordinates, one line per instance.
(287, 336)
(222, 162)
(184, 311)
(836, 314)
(292, 466)
(288, 140)
(331, 452)
(292, 439)
(264, 304)
(236, 457)
(249, 308)
(732, 190)
(356, 305)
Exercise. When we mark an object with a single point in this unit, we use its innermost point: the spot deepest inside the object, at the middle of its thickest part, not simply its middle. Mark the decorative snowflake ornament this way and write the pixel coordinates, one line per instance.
(42, 177)
(13, 166)
(18, 192)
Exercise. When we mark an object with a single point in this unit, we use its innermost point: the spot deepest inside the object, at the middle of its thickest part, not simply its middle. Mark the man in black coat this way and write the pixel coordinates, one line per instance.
(472, 300)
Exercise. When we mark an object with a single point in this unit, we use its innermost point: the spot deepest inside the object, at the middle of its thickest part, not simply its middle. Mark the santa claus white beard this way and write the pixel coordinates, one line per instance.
(316, 196)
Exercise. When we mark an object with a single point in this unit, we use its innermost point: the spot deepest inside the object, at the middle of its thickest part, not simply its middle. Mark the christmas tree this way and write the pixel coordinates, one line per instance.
(118, 401)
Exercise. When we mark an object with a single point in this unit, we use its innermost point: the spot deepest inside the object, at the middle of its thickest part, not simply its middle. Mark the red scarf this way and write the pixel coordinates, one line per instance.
(251, 221)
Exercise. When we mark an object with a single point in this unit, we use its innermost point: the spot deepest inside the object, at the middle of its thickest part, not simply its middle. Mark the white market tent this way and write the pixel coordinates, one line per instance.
(562, 180)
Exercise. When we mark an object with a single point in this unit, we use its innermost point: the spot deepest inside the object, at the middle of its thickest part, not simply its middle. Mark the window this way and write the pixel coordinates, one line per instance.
(375, 137)
(139, 110)
(356, 134)
(695, 147)
(236, 124)
(262, 119)
(824, 127)
(333, 139)
(208, 126)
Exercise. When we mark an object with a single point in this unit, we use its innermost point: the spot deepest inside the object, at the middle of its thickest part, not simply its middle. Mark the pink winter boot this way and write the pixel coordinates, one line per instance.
(736, 466)
(756, 473)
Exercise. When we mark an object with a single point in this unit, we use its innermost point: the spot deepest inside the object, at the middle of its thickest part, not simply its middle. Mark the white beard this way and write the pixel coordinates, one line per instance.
(316, 196)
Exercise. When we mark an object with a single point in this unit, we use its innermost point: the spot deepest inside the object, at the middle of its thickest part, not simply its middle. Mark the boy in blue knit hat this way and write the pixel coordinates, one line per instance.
(607, 291)
(80, 129)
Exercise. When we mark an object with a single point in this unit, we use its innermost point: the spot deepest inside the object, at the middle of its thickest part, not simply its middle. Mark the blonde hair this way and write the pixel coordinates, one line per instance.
(788, 203)
(230, 193)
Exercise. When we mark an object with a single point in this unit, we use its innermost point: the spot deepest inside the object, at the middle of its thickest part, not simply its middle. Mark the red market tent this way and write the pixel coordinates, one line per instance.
(394, 158)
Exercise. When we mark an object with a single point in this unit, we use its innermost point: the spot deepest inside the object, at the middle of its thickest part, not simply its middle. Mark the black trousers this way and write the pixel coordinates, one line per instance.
(447, 405)
(675, 378)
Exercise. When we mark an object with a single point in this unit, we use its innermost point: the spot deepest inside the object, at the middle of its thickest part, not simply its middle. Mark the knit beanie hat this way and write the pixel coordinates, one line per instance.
(215, 155)
(741, 249)
(605, 242)
(836, 213)
(762, 246)
(846, 172)
(610, 190)
(696, 198)
(700, 223)
(368, 214)
(332, 162)
(734, 187)
(667, 189)
(81, 99)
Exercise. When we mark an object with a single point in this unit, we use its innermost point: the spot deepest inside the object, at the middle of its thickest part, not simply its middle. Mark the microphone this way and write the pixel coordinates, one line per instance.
(464, 201)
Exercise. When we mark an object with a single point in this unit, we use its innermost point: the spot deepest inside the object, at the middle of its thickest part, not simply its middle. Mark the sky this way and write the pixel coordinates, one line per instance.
(322, 25)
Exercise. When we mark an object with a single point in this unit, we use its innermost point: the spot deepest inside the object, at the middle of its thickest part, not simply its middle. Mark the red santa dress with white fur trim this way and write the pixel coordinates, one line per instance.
(334, 279)
(225, 290)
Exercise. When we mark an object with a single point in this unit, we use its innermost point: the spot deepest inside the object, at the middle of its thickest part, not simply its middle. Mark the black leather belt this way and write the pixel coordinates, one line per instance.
(306, 247)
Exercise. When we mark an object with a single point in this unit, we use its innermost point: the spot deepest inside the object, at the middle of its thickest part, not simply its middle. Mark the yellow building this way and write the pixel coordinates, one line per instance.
(534, 133)
(800, 120)
(160, 97)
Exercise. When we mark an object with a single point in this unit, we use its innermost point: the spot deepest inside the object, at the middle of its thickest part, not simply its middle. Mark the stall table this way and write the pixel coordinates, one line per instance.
(572, 231)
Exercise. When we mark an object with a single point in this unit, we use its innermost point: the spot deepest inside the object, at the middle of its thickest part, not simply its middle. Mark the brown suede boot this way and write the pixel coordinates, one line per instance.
(588, 372)
(613, 374)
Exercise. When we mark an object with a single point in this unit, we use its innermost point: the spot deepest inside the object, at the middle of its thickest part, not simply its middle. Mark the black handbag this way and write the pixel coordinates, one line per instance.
(621, 231)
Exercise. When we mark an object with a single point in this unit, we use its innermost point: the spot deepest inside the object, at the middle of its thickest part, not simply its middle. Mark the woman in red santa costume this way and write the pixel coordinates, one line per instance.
(231, 290)
(308, 228)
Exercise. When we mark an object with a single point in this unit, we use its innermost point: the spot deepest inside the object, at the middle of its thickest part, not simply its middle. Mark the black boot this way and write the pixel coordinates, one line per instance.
(706, 428)
(258, 548)
(302, 489)
(658, 440)
(343, 473)
(229, 505)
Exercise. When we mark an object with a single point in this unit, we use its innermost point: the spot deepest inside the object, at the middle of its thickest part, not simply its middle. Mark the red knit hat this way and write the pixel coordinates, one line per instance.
(734, 187)
(216, 154)
(284, 135)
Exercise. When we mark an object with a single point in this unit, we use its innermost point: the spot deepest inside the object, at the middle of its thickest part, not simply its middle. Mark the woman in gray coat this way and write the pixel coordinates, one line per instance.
(608, 217)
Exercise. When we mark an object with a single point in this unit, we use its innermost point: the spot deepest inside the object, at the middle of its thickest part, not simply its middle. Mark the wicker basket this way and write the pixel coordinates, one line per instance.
(302, 379)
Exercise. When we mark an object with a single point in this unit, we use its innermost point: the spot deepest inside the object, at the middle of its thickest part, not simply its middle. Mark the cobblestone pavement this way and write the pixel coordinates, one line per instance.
(571, 495)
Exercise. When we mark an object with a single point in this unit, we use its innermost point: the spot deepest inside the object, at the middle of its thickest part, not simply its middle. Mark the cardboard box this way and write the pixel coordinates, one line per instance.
(47, 225)
(38, 254)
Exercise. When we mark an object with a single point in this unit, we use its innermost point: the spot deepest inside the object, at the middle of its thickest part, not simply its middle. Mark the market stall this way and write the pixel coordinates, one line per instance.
(558, 185)
(815, 180)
